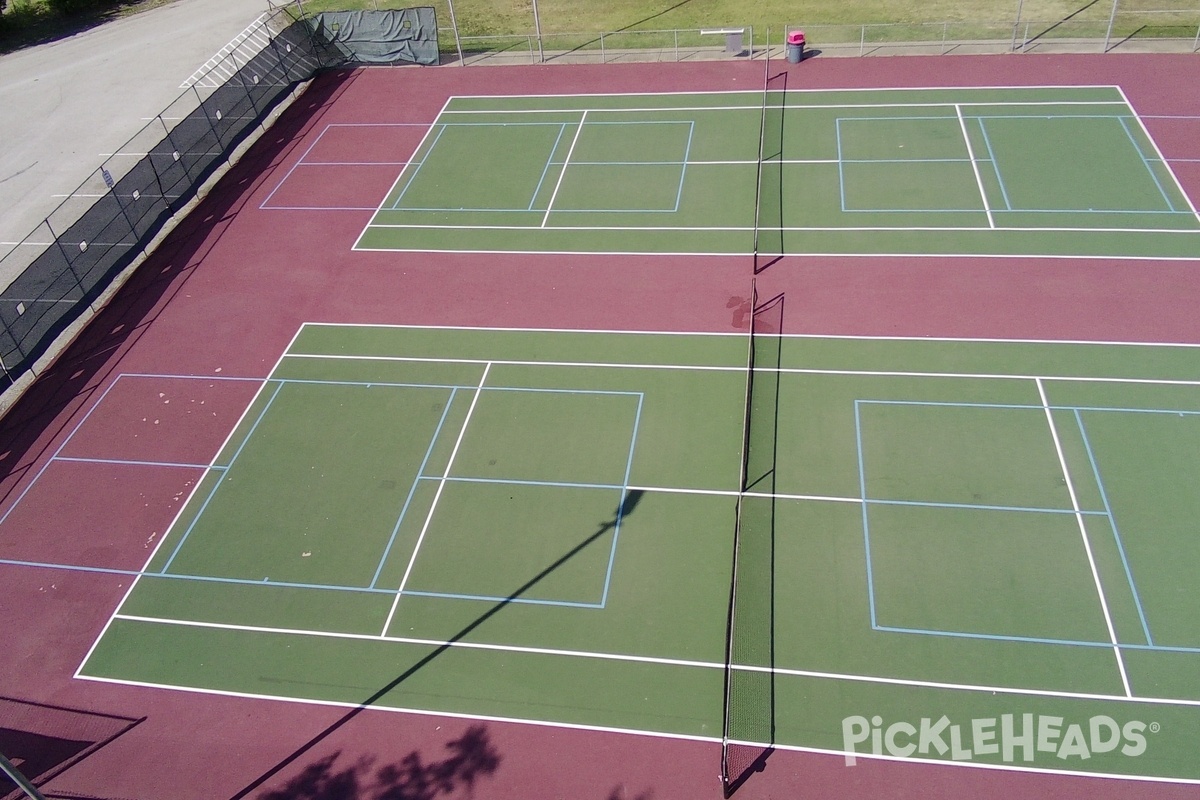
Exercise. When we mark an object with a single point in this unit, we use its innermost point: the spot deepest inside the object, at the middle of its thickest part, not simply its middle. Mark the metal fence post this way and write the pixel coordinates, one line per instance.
(862, 40)
(20, 780)
(1017, 25)
(457, 42)
(537, 26)
(1196, 42)
(1111, 19)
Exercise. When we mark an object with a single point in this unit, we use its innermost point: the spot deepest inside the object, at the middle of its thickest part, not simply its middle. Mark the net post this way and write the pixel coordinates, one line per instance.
(19, 779)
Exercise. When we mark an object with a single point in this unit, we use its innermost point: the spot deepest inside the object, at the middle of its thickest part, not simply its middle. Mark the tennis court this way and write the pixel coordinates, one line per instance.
(1003, 171)
(536, 525)
(464, 436)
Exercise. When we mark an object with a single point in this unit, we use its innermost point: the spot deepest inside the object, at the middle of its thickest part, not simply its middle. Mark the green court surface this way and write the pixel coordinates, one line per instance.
(1052, 171)
(540, 525)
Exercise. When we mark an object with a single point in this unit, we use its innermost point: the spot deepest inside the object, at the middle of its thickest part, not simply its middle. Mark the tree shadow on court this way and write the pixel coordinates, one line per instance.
(470, 757)
(28, 429)
(482, 754)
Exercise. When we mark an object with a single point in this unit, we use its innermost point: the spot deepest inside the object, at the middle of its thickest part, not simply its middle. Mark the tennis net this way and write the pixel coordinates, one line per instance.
(748, 719)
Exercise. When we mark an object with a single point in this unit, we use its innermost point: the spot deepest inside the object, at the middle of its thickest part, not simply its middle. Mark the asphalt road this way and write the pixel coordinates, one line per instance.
(65, 105)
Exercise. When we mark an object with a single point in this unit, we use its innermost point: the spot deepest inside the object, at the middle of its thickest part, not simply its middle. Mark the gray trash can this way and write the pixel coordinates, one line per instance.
(795, 47)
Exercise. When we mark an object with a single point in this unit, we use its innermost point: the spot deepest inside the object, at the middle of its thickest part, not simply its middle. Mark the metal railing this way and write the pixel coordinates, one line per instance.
(60, 273)
(1148, 31)
(604, 48)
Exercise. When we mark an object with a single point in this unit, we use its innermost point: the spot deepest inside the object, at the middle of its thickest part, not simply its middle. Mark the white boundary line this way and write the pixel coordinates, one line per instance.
(706, 93)
(379, 206)
(562, 172)
(790, 229)
(780, 370)
(1075, 773)
(1146, 132)
(1122, 99)
(911, 683)
(754, 107)
(931, 763)
(462, 432)
(740, 335)
(962, 123)
(739, 254)
(419, 711)
(642, 659)
(1087, 545)
(182, 507)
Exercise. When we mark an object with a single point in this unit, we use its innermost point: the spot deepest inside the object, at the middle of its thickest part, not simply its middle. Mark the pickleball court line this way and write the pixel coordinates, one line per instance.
(436, 497)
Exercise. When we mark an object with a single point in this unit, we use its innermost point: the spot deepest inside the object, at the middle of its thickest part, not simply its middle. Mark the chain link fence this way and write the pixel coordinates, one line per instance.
(61, 272)
(80, 254)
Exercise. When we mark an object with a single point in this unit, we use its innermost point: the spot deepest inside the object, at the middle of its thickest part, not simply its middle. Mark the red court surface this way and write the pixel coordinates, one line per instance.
(270, 249)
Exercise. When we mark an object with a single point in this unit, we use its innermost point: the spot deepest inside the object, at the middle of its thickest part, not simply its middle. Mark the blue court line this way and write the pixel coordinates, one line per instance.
(837, 126)
(498, 599)
(12, 562)
(549, 160)
(995, 164)
(413, 489)
(999, 637)
(946, 403)
(37, 477)
(980, 507)
(176, 576)
(687, 153)
(421, 163)
(862, 492)
(87, 416)
(1113, 524)
(520, 482)
(471, 387)
(1035, 407)
(623, 488)
(1161, 189)
(165, 376)
(267, 582)
(200, 513)
(1037, 639)
(128, 462)
(1076, 410)
(612, 554)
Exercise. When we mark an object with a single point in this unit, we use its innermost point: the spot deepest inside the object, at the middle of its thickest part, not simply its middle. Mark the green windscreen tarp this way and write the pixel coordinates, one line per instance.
(406, 35)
